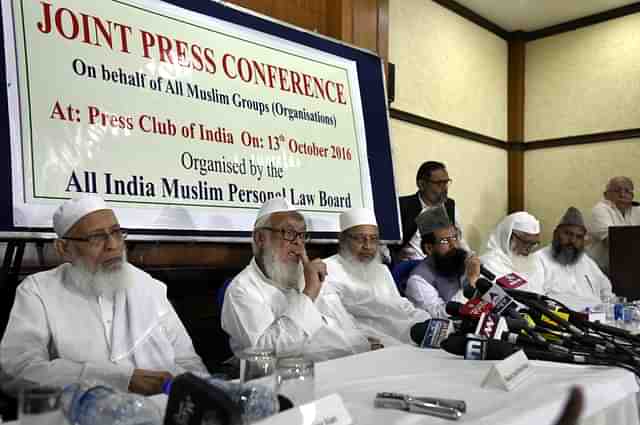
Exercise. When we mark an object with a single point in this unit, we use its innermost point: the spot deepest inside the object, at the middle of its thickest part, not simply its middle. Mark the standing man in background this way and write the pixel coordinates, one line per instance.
(433, 188)
(616, 209)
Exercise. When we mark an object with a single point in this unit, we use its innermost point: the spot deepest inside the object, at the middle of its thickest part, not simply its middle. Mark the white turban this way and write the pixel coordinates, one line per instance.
(500, 238)
(274, 205)
(357, 217)
(71, 211)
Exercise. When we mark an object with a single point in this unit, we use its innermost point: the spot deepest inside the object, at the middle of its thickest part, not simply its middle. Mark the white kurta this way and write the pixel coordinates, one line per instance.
(256, 313)
(376, 304)
(604, 215)
(58, 335)
(578, 286)
(497, 259)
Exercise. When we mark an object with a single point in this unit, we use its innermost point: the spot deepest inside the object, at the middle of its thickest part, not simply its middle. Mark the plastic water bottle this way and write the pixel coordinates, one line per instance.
(100, 405)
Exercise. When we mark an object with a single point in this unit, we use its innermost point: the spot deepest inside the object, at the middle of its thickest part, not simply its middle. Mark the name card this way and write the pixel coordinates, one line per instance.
(509, 373)
(329, 410)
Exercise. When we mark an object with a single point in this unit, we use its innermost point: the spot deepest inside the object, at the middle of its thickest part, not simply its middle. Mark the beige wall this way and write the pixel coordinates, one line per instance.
(479, 174)
(581, 82)
(575, 176)
(584, 81)
(447, 68)
(451, 70)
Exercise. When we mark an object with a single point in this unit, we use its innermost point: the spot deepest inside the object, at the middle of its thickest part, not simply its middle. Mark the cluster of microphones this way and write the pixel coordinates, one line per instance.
(498, 320)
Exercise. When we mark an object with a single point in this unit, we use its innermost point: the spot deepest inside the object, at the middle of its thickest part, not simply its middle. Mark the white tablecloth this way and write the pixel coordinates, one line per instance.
(610, 393)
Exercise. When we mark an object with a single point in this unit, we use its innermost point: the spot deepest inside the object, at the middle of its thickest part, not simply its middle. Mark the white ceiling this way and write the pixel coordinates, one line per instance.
(529, 15)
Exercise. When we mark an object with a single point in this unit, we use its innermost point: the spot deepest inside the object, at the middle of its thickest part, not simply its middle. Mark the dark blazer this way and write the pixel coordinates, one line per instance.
(410, 207)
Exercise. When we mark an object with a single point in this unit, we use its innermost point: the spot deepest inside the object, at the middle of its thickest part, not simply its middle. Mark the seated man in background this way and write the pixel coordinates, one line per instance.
(616, 209)
(365, 285)
(95, 317)
(279, 301)
(433, 183)
(441, 276)
(570, 276)
(510, 247)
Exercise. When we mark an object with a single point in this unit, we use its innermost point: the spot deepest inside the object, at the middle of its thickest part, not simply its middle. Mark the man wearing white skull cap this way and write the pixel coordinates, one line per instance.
(95, 317)
(510, 250)
(280, 301)
(365, 285)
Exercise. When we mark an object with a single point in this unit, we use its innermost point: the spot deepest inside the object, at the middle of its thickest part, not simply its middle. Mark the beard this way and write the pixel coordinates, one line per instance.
(524, 263)
(363, 269)
(565, 255)
(285, 275)
(105, 281)
(451, 263)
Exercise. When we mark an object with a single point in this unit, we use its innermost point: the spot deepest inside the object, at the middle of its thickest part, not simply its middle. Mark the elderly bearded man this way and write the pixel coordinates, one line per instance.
(441, 276)
(279, 301)
(365, 285)
(616, 209)
(510, 247)
(95, 317)
(570, 276)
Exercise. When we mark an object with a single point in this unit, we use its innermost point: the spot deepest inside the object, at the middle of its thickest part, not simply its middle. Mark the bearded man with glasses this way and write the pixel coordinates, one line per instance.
(365, 285)
(447, 269)
(95, 317)
(511, 247)
(616, 209)
(280, 302)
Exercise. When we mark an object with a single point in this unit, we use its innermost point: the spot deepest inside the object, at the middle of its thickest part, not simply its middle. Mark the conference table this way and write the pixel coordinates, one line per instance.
(610, 393)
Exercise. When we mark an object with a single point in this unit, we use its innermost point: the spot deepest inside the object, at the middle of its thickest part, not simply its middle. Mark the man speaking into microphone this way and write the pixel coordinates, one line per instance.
(510, 249)
(442, 275)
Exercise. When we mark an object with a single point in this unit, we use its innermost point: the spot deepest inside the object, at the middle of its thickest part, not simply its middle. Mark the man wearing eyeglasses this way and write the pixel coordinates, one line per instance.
(616, 209)
(365, 285)
(510, 250)
(442, 275)
(95, 317)
(433, 184)
(280, 302)
(570, 276)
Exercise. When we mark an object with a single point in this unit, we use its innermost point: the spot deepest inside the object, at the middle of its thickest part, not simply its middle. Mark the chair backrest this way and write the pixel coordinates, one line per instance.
(401, 272)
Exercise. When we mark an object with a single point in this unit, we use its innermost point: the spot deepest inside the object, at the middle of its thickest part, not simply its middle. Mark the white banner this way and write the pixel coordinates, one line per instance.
(181, 120)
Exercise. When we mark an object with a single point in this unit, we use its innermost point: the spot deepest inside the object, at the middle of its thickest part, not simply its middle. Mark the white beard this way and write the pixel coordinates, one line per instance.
(365, 271)
(104, 281)
(284, 275)
(524, 264)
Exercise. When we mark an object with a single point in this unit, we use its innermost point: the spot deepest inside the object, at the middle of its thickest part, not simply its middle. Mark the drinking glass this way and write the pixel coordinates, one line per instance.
(296, 379)
(40, 406)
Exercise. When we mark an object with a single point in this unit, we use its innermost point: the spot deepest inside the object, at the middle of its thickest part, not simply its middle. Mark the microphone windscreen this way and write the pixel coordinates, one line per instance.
(483, 285)
(430, 333)
(469, 292)
(454, 344)
(453, 308)
(487, 273)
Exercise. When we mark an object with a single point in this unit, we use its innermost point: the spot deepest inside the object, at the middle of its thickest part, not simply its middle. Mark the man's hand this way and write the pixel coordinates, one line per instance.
(472, 269)
(314, 273)
(571, 413)
(147, 382)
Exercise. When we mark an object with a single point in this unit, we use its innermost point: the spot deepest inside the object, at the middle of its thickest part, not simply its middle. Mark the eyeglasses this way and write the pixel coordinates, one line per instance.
(441, 182)
(290, 235)
(527, 244)
(622, 190)
(363, 239)
(97, 240)
(449, 240)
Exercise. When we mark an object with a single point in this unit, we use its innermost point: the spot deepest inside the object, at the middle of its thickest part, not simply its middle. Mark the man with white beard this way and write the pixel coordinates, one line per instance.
(279, 302)
(95, 317)
(365, 285)
(570, 276)
(510, 247)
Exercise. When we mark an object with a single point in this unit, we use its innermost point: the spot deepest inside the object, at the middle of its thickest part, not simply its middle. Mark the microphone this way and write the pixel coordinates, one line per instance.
(430, 333)
(511, 280)
(473, 347)
(487, 273)
(503, 303)
(523, 340)
(491, 325)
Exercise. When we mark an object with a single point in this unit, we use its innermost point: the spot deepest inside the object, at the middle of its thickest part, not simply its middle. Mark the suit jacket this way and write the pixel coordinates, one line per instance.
(410, 208)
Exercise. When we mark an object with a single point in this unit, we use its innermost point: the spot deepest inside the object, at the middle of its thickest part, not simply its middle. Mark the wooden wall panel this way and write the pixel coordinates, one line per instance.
(515, 122)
